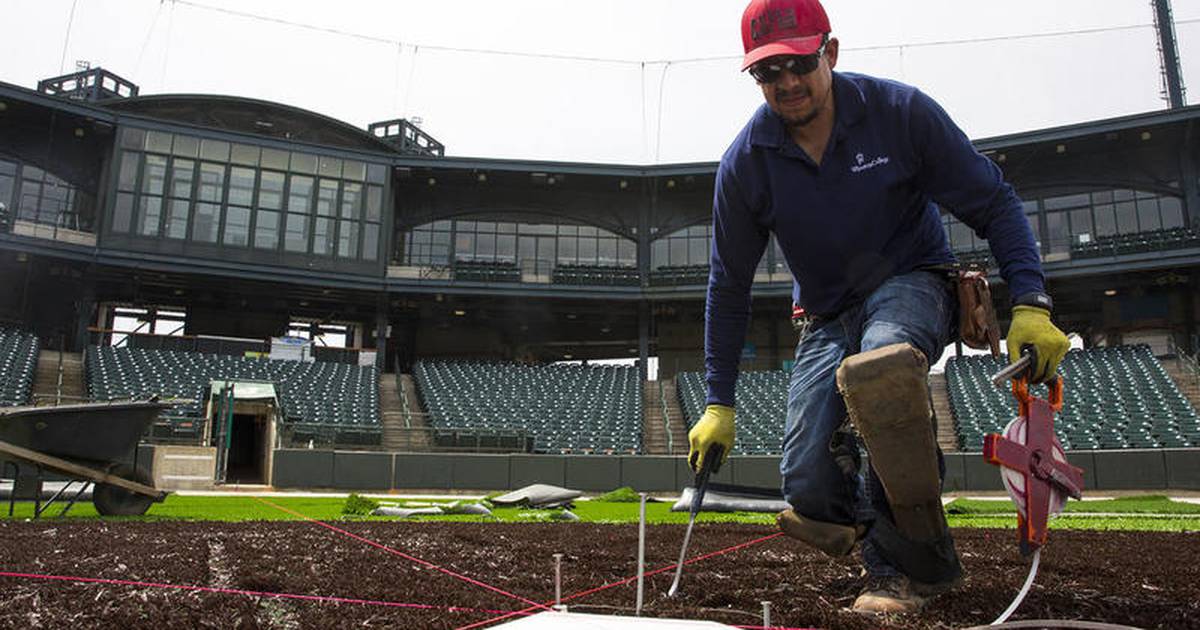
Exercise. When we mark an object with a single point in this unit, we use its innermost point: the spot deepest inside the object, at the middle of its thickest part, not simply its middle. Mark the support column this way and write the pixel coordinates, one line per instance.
(643, 339)
(1189, 171)
(645, 219)
(381, 335)
(644, 237)
(85, 308)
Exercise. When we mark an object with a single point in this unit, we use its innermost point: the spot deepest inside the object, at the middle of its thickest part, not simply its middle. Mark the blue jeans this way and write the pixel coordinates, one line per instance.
(916, 308)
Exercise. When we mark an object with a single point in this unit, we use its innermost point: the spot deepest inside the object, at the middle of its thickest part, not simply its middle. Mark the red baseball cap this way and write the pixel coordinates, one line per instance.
(782, 27)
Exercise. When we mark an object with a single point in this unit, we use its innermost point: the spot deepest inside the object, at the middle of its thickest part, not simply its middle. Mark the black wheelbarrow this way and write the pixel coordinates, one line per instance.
(87, 443)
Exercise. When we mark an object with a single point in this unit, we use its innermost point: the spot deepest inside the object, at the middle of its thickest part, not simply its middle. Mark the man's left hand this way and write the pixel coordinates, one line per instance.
(1031, 326)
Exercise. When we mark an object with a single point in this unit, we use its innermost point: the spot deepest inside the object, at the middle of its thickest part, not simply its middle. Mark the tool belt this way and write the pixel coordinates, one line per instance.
(977, 325)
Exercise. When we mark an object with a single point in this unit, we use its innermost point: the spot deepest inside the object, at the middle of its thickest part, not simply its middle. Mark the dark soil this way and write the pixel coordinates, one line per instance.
(1142, 579)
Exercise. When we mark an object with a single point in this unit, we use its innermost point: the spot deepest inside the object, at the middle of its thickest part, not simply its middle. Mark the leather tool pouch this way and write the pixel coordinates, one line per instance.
(977, 325)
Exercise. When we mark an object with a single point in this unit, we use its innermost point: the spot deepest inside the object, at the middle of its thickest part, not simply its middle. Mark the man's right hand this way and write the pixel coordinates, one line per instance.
(714, 427)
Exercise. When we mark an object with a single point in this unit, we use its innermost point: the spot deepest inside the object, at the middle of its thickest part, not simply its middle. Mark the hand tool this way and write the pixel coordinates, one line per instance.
(712, 461)
(1033, 465)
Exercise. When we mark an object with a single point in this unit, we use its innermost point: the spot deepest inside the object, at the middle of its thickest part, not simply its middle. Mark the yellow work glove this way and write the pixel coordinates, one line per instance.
(714, 427)
(1031, 326)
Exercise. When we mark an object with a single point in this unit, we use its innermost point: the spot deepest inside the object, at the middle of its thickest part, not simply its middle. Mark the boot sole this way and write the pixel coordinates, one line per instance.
(887, 399)
(831, 538)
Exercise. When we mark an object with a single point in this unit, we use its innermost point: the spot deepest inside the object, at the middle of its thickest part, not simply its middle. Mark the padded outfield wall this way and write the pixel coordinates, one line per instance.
(1143, 470)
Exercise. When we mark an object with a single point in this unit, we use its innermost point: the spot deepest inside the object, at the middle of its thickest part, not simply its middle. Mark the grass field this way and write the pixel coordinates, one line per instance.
(1138, 513)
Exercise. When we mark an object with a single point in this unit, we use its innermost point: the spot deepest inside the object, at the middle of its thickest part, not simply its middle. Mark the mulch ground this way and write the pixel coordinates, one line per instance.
(1149, 580)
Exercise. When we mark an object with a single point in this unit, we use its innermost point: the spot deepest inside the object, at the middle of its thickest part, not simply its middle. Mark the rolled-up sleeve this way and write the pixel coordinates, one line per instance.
(738, 243)
(972, 188)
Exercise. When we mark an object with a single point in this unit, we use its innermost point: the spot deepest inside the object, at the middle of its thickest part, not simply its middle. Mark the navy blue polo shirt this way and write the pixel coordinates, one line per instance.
(867, 213)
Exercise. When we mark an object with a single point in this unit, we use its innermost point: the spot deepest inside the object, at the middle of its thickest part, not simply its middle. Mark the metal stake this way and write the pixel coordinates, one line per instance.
(641, 568)
(766, 614)
(558, 579)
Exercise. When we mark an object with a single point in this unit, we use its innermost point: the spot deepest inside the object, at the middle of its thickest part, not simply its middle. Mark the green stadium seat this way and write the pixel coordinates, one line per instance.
(563, 408)
(1119, 397)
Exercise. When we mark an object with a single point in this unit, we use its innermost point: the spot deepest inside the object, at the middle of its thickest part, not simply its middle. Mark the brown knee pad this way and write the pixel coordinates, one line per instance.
(888, 401)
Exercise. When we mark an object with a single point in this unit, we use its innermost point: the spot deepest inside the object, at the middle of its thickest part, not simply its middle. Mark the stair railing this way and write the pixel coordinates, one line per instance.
(403, 397)
(59, 385)
(1189, 365)
(666, 414)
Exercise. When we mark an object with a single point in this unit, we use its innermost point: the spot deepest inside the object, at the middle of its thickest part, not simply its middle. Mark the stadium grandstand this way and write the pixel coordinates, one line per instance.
(365, 293)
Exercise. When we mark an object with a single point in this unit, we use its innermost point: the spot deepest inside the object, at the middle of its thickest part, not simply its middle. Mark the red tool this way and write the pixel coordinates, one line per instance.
(1033, 465)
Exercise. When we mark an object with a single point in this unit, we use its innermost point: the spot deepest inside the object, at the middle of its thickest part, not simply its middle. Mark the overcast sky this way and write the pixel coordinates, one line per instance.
(649, 81)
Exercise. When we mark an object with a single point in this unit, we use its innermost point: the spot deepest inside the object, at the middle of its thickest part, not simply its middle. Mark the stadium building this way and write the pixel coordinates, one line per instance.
(168, 244)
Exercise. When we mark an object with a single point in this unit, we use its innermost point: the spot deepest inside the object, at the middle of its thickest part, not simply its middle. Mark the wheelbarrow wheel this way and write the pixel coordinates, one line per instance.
(112, 500)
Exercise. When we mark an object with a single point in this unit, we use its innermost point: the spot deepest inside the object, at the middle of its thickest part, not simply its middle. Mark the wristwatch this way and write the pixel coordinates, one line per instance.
(1035, 298)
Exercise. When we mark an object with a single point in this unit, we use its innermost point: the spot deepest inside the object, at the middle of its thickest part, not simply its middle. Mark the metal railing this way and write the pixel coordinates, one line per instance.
(54, 400)
(404, 408)
(59, 384)
(64, 225)
(666, 414)
(413, 439)
(1190, 366)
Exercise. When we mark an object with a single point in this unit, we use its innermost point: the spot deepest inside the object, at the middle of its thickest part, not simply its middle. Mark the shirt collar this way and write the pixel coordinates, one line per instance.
(767, 129)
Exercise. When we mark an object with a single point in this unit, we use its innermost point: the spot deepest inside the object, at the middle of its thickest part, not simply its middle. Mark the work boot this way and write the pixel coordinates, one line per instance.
(888, 594)
(893, 594)
(832, 538)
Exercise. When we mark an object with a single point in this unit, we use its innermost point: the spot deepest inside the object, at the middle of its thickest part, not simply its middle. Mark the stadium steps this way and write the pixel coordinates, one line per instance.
(45, 384)
(675, 417)
(1187, 382)
(397, 418)
(947, 438)
(654, 433)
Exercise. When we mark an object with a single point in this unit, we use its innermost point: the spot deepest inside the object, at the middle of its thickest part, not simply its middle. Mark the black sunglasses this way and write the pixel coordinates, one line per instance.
(769, 70)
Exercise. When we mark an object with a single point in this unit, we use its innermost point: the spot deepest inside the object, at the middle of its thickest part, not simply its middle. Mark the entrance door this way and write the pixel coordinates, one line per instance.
(247, 439)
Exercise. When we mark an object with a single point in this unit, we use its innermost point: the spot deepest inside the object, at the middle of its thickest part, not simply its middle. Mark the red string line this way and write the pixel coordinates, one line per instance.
(627, 580)
(406, 556)
(238, 591)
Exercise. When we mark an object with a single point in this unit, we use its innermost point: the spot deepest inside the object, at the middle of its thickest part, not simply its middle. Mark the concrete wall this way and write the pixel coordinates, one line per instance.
(184, 467)
(1151, 470)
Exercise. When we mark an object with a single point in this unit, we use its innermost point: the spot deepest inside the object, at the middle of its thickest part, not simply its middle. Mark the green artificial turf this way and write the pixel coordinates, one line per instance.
(624, 494)
(1146, 504)
(1086, 522)
(201, 508)
(961, 512)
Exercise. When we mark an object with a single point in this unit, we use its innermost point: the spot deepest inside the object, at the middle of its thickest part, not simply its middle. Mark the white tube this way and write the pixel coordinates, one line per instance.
(641, 568)
(766, 614)
(558, 579)
(1037, 556)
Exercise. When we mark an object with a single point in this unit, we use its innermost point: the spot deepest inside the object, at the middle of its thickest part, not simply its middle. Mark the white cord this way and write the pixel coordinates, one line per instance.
(1037, 556)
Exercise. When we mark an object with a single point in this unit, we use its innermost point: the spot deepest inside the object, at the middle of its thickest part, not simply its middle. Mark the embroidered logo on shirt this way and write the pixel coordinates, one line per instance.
(863, 164)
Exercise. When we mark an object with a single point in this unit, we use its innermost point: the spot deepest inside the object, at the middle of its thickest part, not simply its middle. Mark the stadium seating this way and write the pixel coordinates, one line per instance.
(1137, 242)
(486, 271)
(977, 258)
(341, 397)
(761, 408)
(1117, 397)
(603, 275)
(563, 408)
(679, 274)
(18, 365)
